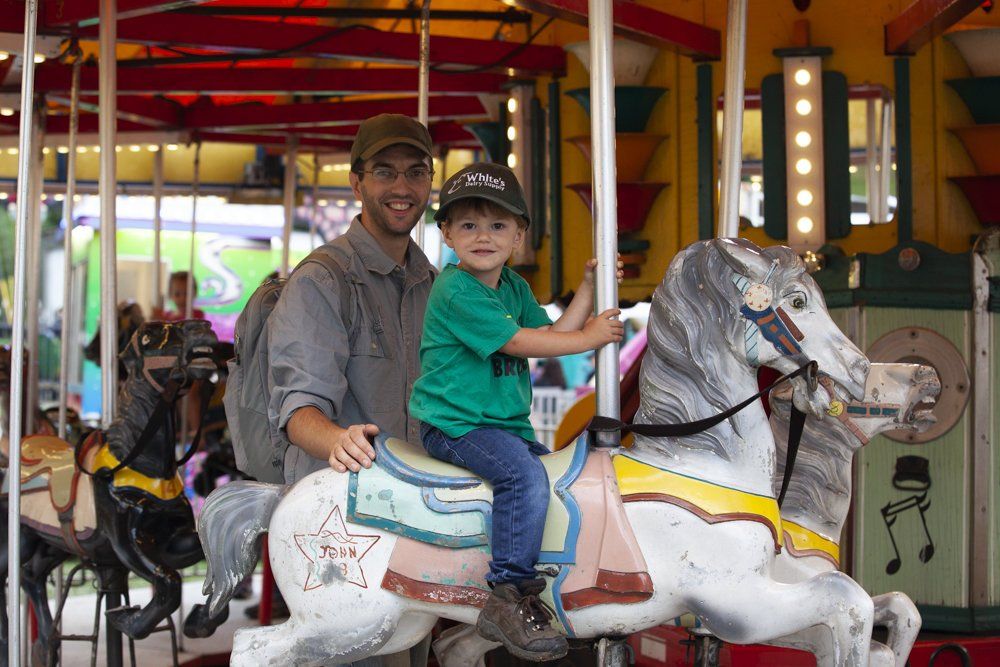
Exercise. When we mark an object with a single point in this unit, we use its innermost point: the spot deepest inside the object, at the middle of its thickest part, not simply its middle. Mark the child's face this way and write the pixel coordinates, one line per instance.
(178, 293)
(483, 242)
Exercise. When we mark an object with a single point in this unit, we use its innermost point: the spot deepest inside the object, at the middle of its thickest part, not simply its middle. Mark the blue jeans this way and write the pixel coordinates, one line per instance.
(520, 493)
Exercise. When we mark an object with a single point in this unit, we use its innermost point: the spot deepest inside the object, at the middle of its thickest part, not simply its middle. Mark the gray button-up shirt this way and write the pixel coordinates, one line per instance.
(357, 366)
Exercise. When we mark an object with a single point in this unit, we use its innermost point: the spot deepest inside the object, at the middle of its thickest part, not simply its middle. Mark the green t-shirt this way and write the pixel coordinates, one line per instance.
(465, 382)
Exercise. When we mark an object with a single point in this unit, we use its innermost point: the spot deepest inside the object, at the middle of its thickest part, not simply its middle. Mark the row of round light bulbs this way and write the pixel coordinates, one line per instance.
(39, 58)
(134, 148)
(803, 139)
(511, 132)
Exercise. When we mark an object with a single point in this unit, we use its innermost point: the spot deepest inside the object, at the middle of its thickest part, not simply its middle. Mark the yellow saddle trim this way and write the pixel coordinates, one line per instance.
(804, 542)
(712, 502)
(164, 489)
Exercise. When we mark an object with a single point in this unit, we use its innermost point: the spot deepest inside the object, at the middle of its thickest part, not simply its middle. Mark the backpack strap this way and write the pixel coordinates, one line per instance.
(339, 275)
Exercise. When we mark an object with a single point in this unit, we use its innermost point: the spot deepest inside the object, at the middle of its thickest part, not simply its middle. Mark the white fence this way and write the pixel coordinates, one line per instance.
(548, 405)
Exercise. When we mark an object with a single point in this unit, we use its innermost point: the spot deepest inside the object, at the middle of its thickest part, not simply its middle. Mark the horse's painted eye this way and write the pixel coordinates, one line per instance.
(798, 302)
(145, 339)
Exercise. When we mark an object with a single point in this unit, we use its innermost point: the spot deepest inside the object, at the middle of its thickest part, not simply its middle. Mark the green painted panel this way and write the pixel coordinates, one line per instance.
(943, 579)
(836, 156)
(995, 440)
(772, 127)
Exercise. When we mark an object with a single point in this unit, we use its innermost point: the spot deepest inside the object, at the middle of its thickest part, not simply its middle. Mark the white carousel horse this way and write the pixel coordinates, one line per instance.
(815, 505)
(700, 509)
(815, 508)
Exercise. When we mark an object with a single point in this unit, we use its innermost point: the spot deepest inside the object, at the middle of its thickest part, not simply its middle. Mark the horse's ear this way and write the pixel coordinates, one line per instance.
(130, 354)
(744, 257)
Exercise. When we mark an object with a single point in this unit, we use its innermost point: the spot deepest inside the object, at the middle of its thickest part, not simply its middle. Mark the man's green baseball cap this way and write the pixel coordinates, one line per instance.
(485, 180)
(388, 129)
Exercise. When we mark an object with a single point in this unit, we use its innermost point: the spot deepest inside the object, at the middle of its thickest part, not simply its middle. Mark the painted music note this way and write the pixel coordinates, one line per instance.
(911, 475)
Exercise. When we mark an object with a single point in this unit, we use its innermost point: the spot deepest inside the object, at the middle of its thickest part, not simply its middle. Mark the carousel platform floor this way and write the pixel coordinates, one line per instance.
(154, 651)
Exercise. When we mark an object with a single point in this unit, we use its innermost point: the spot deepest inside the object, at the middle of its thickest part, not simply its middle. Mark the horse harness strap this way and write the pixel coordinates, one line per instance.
(601, 424)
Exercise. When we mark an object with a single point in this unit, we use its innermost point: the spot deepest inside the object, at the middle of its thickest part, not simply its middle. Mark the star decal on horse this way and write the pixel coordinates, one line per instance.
(331, 549)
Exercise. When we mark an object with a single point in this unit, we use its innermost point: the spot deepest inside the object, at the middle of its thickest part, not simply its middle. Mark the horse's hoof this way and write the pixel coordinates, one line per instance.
(126, 621)
(199, 624)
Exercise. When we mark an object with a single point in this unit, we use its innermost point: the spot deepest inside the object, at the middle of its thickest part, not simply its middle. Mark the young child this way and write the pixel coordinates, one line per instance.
(474, 395)
(177, 291)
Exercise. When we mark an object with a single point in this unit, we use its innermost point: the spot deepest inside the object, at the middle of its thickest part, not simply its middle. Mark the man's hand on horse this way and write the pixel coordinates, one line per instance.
(353, 449)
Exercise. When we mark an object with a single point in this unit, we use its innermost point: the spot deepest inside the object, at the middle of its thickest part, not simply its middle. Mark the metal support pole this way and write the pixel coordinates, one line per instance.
(602, 131)
(17, 339)
(423, 89)
(873, 179)
(732, 119)
(315, 203)
(64, 343)
(157, 228)
(885, 157)
(291, 155)
(107, 186)
(195, 187)
(34, 277)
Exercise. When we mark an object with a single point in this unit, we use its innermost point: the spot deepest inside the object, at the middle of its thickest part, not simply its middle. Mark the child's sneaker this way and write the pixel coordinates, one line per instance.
(519, 620)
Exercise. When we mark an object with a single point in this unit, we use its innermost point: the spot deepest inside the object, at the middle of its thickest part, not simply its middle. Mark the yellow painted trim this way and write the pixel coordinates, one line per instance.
(164, 489)
(804, 539)
(635, 477)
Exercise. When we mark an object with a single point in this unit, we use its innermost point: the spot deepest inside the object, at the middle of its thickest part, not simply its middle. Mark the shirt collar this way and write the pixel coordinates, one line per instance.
(375, 259)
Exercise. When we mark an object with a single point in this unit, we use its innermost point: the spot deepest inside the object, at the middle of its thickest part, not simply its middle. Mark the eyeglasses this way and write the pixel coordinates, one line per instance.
(387, 175)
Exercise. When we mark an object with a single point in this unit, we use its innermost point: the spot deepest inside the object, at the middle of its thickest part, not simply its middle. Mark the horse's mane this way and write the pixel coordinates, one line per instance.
(692, 322)
(821, 479)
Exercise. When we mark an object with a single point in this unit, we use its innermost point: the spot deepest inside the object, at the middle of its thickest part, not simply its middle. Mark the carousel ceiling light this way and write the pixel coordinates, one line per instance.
(59, 197)
(357, 203)
(6, 111)
(96, 149)
(435, 206)
(11, 151)
(4, 196)
(512, 161)
(511, 133)
(894, 166)
(46, 150)
(135, 148)
(77, 198)
(81, 149)
(4, 55)
(152, 148)
(118, 149)
(341, 203)
(39, 58)
(511, 105)
(62, 150)
(803, 79)
(322, 203)
(327, 168)
(853, 169)
(172, 147)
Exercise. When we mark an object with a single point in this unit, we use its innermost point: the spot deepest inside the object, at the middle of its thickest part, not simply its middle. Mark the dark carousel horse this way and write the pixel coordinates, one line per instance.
(116, 500)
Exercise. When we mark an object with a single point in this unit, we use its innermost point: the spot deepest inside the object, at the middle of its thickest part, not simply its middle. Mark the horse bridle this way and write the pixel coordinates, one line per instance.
(162, 414)
(762, 319)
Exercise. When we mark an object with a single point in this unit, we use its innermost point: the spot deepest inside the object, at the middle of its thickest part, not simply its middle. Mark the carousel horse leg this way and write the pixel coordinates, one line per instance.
(613, 652)
(897, 612)
(34, 580)
(134, 622)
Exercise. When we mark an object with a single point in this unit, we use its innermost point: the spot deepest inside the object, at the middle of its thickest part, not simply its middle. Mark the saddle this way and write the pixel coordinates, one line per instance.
(442, 514)
(48, 465)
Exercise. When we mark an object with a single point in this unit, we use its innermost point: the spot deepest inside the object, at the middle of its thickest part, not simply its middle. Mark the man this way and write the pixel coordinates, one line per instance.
(340, 377)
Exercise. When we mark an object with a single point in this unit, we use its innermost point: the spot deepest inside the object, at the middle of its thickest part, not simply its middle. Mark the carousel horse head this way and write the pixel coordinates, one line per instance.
(160, 352)
(163, 360)
(728, 301)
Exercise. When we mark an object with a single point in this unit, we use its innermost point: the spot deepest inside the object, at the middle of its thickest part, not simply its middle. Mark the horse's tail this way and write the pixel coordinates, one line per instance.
(233, 519)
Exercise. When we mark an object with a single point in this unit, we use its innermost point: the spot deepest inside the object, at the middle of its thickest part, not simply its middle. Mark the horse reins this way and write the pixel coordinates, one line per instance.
(796, 423)
(162, 416)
